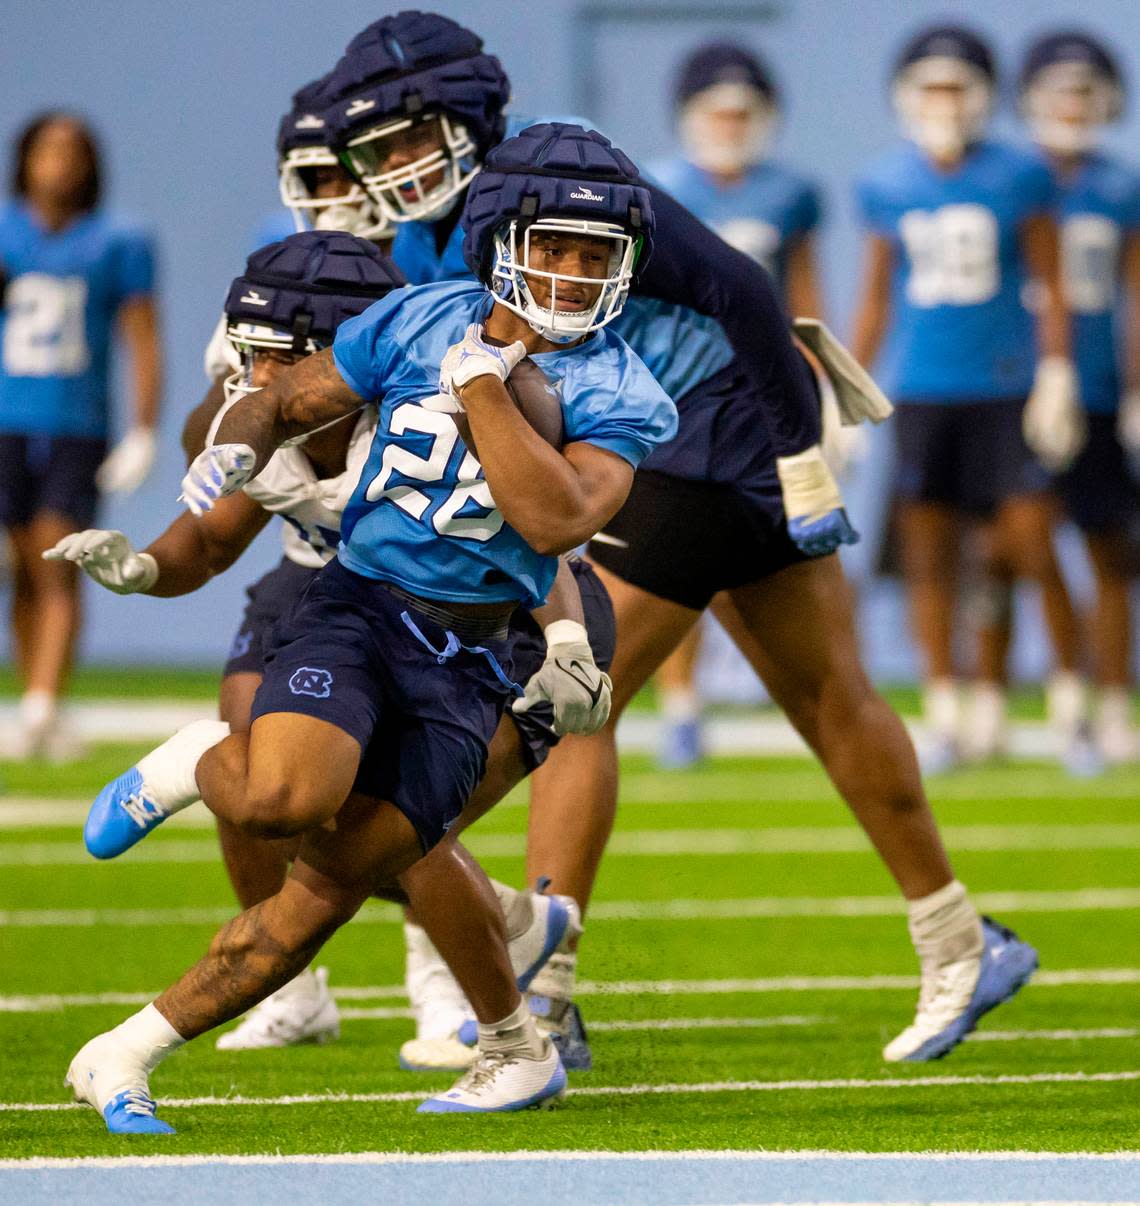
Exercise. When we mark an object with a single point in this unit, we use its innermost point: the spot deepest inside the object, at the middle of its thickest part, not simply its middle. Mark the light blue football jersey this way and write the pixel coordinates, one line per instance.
(763, 215)
(1098, 208)
(422, 515)
(959, 329)
(62, 293)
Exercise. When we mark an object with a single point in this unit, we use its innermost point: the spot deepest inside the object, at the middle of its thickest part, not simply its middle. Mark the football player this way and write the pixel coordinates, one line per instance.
(986, 390)
(72, 278)
(396, 663)
(1071, 88)
(731, 505)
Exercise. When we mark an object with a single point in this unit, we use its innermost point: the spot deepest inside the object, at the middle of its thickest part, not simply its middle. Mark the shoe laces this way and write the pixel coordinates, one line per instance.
(142, 807)
(484, 1070)
(138, 1101)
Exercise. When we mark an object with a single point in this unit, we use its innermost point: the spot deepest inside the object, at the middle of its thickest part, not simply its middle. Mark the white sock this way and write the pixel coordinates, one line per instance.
(1115, 707)
(1065, 699)
(515, 1034)
(680, 705)
(518, 909)
(169, 770)
(942, 707)
(558, 978)
(944, 926)
(37, 708)
(148, 1037)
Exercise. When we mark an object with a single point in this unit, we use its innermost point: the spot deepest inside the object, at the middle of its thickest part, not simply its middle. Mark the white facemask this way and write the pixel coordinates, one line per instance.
(1067, 105)
(942, 123)
(710, 145)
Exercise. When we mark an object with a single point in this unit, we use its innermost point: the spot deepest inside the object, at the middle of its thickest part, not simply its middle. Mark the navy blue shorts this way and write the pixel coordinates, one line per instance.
(536, 726)
(270, 597)
(49, 473)
(353, 653)
(686, 541)
(968, 455)
(1098, 489)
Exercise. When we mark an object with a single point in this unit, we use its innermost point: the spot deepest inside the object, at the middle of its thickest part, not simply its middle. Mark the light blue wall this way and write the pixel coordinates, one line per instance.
(187, 98)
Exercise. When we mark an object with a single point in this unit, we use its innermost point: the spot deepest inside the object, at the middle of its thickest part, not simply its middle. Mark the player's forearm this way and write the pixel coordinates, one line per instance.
(563, 600)
(141, 333)
(1041, 247)
(803, 294)
(538, 491)
(1132, 312)
(182, 556)
(874, 309)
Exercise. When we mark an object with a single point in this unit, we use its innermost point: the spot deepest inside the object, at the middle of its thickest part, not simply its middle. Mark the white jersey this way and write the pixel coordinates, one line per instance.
(221, 357)
(311, 507)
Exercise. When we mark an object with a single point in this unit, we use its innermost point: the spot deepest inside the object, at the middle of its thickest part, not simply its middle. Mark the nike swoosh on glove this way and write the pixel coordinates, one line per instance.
(107, 558)
(570, 681)
(817, 522)
(217, 471)
(471, 357)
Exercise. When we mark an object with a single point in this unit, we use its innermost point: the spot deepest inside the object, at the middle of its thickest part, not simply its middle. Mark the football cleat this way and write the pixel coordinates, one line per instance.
(500, 1082)
(555, 922)
(447, 1054)
(302, 1011)
(941, 756)
(124, 812)
(955, 996)
(562, 1021)
(99, 1077)
(680, 745)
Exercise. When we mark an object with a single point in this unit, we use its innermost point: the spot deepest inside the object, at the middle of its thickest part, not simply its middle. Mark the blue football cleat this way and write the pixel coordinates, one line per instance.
(562, 1020)
(132, 1113)
(498, 1083)
(124, 812)
(681, 745)
(1006, 966)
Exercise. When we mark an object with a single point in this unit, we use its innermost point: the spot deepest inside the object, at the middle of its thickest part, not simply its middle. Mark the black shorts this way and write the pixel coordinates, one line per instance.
(1098, 489)
(535, 726)
(270, 598)
(49, 473)
(968, 455)
(422, 708)
(687, 540)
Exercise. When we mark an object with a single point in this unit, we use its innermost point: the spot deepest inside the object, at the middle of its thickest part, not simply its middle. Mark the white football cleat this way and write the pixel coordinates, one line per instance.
(446, 1054)
(499, 1082)
(302, 1011)
(555, 922)
(104, 1077)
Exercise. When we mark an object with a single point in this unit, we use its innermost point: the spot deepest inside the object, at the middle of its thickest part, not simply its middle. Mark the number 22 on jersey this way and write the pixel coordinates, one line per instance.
(469, 487)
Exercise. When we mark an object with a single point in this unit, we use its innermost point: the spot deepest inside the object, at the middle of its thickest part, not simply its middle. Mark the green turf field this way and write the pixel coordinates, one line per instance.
(744, 884)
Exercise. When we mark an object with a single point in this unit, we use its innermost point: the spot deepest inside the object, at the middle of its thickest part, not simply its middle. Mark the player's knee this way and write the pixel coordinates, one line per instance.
(278, 810)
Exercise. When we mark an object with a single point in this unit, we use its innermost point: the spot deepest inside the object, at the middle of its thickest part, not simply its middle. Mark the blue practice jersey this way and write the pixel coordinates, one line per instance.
(422, 515)
(959, 329)
(61, 293)
(764, 214)
(1098, 208)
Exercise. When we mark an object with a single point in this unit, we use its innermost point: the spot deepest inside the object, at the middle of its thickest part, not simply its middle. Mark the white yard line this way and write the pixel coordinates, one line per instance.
(1012, 1036)
(655, 843)
(734, 909)
(640, 1090)
(51, 1002)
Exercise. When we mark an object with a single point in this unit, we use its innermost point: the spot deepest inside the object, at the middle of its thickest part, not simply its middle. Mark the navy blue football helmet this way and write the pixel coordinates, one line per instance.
(416, 104)
(944, 85)
(552, 182)
(727, 105)
(1071, 86)
(294, 294)
(303, 156)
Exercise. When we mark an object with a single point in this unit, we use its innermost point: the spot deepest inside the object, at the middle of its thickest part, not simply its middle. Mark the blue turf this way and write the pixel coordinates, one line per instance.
(590, 1182)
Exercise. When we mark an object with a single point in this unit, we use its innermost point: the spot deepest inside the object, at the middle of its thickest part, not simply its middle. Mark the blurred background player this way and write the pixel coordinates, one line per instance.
(957, 225)
(1071, 88)
(73, 277)
(728, 107)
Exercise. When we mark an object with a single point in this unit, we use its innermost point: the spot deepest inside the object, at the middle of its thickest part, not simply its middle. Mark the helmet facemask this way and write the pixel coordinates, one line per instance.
(1067, 104)
(427, 187)
(562, 308)
(728, 127)
(350, 211)
(944, 104)
(248, 339)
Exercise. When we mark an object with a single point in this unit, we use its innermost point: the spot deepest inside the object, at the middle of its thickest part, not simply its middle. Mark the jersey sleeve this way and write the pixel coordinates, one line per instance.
(1036, 189)
(365, 345)
(628, 414)
(694, 267)
(806, 211)
(871, 207)
(134, 266)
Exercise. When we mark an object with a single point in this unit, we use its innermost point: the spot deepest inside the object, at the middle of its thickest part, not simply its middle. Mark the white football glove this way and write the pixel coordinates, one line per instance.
(128, 464)
(216, 471)
(570, 681)
(843, 447)
(1053, 421)
(1128, 422)
(109, 559)
(471, 358)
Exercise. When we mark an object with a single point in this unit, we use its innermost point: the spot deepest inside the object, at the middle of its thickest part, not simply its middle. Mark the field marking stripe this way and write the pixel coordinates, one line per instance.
(639, 1090)
(50, 1002)
(659, 842)
(562, 1156)
(1010, 1036)
(1066, 900)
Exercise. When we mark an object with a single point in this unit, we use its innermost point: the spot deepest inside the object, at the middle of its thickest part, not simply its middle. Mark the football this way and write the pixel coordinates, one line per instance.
(538, 400)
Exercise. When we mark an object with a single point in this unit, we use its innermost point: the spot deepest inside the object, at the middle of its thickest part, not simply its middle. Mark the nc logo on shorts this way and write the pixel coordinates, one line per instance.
(310, 681)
